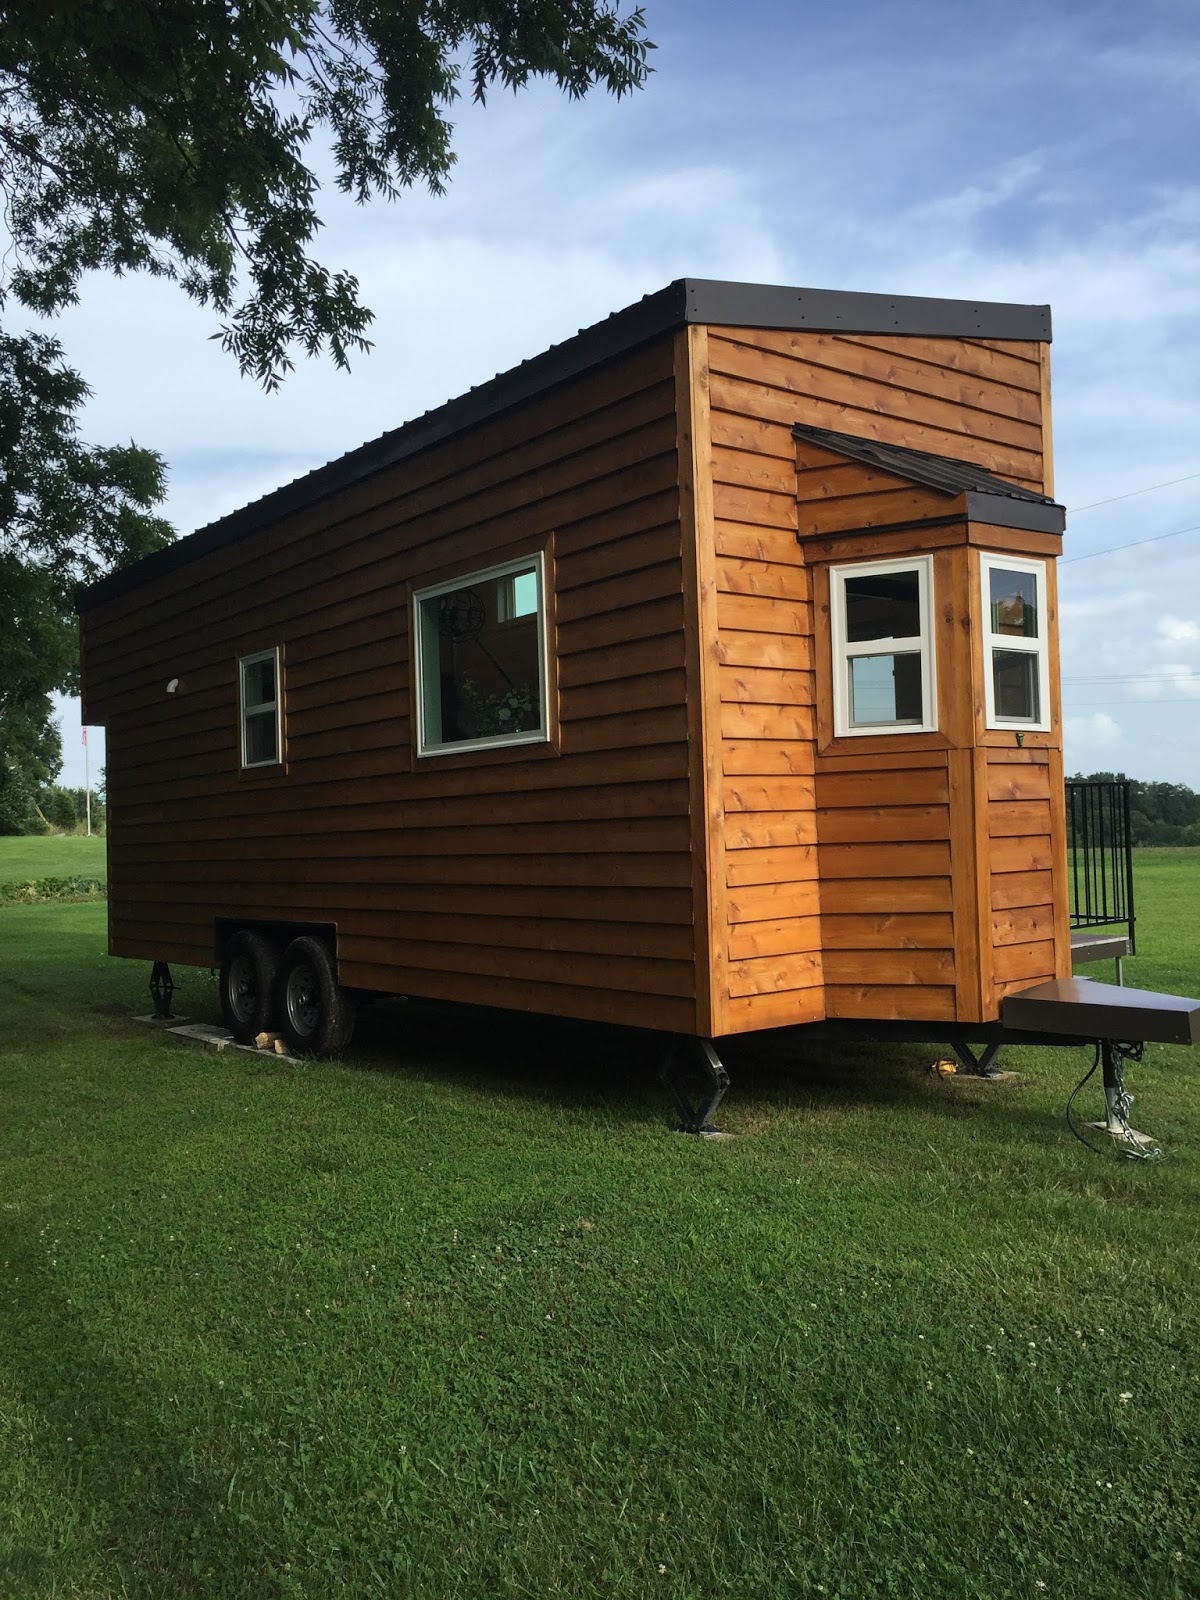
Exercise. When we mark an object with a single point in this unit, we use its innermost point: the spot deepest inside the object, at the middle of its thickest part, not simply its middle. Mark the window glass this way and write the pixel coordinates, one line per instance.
(1015, 685)
(1015, 643)
(885, 689)
(482, 670)
(260, 709)
(260, 738)
(1014, 603)
(883, 605)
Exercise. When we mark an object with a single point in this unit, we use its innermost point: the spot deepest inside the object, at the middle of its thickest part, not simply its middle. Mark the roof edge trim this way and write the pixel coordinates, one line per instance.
(760, 305)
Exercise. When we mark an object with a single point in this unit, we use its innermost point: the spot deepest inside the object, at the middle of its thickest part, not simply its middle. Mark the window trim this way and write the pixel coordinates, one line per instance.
(1038, 647)
(535, 561)
(274, 656)
(843, 650)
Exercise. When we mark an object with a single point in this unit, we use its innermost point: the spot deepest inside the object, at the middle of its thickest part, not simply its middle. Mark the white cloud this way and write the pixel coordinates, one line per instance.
(1090, 737)
(1177, 630)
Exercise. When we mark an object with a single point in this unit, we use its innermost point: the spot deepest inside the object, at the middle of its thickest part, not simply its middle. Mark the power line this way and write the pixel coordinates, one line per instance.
(1132, 545)
(1139, 677)
(1149, 489)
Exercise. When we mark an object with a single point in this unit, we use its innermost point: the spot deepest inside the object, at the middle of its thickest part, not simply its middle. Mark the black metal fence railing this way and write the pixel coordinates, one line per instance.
(1100, 854)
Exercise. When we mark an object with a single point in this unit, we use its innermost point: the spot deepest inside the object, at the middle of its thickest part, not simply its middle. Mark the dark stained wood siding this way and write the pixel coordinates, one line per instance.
(557, 880)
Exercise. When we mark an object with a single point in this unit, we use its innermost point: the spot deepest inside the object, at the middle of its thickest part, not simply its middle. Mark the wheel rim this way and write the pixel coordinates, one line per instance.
(302, 999)
(243, 988)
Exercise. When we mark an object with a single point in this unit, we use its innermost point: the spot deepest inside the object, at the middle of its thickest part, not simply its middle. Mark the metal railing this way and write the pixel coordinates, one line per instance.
(1100, 855)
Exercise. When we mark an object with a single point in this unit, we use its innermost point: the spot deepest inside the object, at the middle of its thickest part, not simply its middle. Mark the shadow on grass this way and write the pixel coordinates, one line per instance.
(584, 1065)
(106, 1453)
(590, 1066)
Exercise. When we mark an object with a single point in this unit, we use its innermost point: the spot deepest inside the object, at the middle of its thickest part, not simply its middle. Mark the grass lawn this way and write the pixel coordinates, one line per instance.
(462, 1317)
(54, 856)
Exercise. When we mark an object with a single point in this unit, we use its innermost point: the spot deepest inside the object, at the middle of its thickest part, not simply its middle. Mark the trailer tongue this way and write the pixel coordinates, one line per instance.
(1120, 1020)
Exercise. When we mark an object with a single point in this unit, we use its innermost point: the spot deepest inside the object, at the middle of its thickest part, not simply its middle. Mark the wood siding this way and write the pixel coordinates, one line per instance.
(555, 878)
(693, 849)
(852, 866)
(1026, 877)
(887, 893)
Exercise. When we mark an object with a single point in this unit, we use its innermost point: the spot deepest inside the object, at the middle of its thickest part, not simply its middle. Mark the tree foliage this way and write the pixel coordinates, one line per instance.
(1159, 813)
(175, 137)
(68, 513)
(180, 138)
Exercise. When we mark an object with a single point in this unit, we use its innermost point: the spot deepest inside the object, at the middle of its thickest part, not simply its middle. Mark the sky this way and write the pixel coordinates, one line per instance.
(1025, 153)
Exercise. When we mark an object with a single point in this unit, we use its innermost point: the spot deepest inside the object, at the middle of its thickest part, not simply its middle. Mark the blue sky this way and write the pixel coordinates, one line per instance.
(1021, 153)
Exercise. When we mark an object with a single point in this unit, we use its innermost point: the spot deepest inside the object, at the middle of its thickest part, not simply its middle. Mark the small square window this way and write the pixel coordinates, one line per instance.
(883, 670)
(482, 660)
(1015, 646)
(262, 723)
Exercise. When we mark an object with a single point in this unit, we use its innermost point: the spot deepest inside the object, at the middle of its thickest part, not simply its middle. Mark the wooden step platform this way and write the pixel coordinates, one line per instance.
(1086, 1008)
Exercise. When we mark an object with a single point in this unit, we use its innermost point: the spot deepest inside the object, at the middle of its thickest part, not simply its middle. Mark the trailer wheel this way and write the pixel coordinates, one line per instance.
(316, 1015)
(248, 984)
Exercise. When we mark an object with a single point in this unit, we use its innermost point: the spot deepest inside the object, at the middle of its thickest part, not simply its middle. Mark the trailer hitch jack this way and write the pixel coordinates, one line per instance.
(161, 990)
(1118, 1102)
(695, 1119)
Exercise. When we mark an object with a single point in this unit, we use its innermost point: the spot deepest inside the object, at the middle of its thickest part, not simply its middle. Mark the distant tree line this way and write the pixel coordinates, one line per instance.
(1159, 813)
(47, 808)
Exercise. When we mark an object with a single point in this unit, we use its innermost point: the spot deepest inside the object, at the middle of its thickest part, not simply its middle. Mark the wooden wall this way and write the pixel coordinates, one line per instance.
(849, 884)
(556, 879)
(694, 851)
(1026, 869)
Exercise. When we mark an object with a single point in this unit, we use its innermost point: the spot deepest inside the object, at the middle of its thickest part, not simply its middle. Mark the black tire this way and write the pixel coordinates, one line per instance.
(315, 1014)
(248, 984)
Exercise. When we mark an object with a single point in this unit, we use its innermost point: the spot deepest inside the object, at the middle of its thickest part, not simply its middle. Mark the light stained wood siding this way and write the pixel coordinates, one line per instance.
(887, 894)
(1027, 888)
(850, 868)
(550, 879)
(972, 399)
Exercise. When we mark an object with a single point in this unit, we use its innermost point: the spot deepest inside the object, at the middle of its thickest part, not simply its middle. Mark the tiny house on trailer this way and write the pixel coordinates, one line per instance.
(699, 674)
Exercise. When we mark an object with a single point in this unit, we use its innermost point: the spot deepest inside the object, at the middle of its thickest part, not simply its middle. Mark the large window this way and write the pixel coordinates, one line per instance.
(482, 659)
(883, 671)
(261, 709)
(1016, 687)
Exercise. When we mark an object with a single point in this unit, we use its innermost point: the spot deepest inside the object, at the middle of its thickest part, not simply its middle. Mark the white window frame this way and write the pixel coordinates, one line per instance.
(844, 651)
(536, 561)
(267, 705)
(1039, 647)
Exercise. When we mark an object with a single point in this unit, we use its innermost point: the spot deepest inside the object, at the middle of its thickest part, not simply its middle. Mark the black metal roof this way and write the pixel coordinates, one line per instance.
(687, 300)
(989, 499)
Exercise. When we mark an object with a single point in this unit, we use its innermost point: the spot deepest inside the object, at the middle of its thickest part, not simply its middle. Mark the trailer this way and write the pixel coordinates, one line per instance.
(700, 674)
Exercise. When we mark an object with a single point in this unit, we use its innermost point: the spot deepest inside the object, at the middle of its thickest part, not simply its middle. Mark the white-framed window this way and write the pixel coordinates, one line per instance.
(1016, 678)
(482, 659)
(261, 709)
(881, 615)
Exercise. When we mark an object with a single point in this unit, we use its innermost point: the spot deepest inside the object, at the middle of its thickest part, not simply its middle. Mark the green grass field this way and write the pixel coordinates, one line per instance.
(462, 1317)
(56, 856)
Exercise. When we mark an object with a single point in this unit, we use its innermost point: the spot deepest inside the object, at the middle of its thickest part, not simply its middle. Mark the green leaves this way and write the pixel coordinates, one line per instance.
(174, 137)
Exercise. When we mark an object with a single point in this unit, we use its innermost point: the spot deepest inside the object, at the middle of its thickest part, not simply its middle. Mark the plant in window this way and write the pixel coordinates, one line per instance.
(509, 711)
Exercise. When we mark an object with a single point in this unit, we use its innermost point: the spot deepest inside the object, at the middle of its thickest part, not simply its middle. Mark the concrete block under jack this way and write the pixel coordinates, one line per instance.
(1124, 1135)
